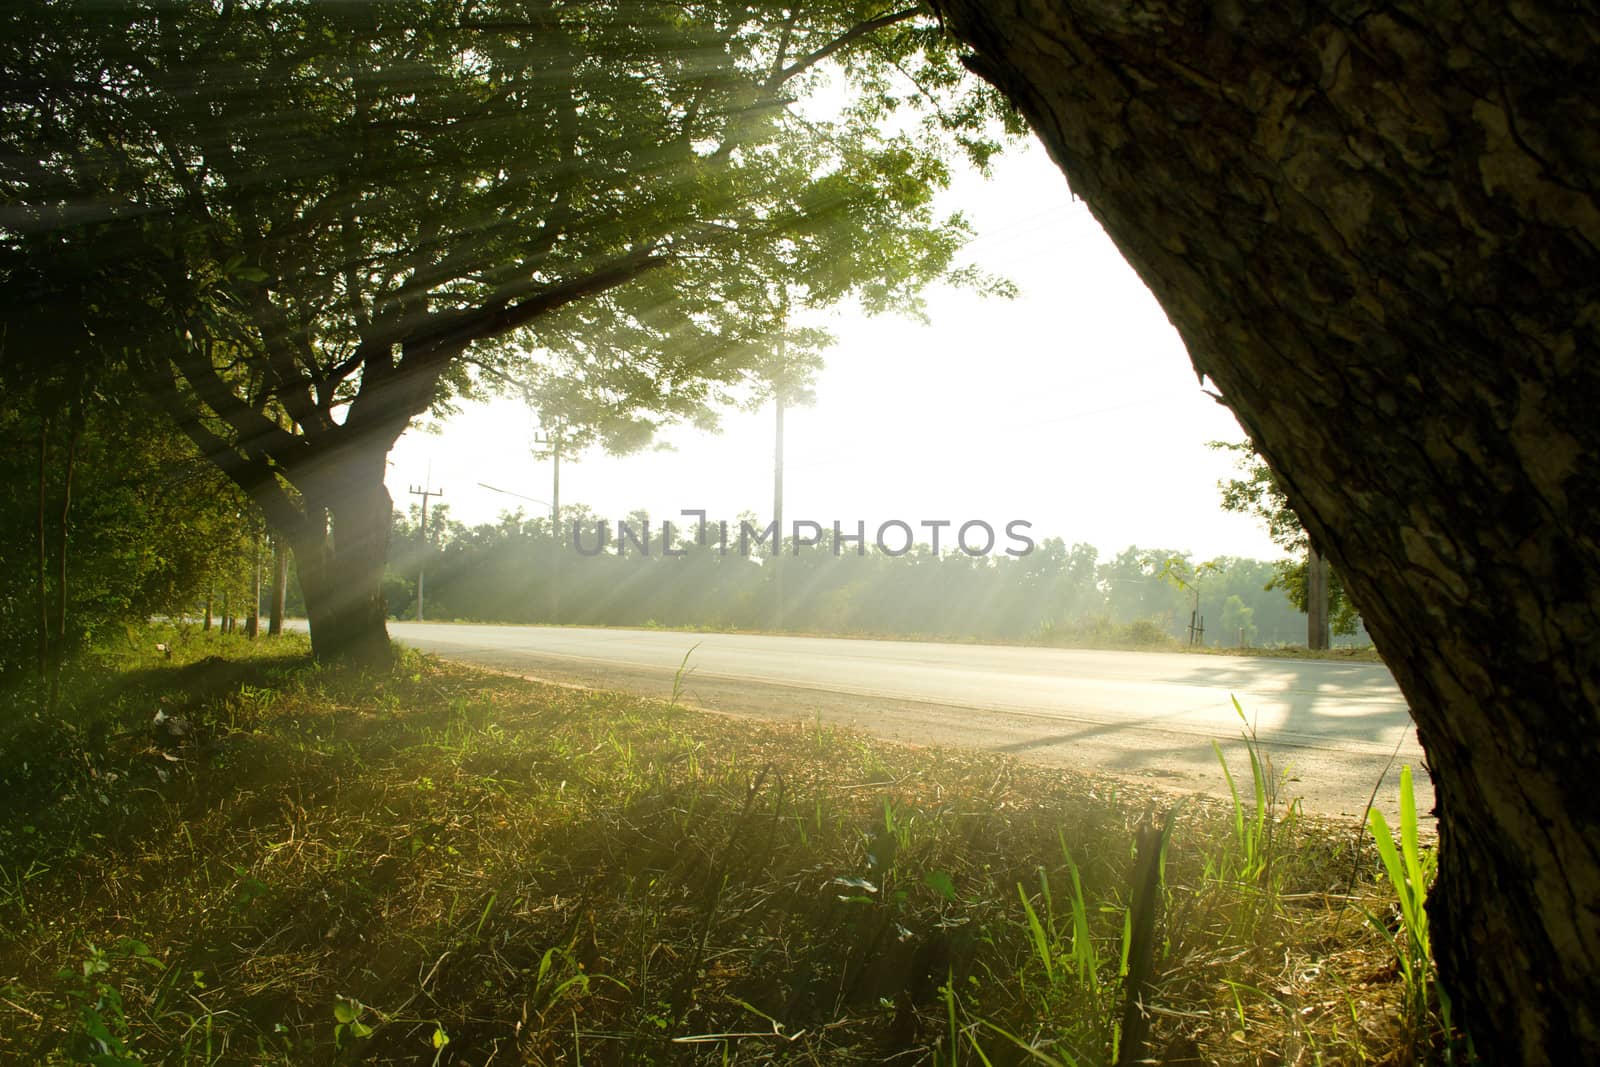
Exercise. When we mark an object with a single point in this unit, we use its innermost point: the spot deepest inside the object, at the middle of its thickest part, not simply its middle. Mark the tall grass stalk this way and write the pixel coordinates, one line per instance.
(682, 674)
(1251, 861)
(1410, 872)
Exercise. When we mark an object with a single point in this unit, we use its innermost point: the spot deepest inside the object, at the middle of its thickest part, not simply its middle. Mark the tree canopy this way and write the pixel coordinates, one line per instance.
(344, 215)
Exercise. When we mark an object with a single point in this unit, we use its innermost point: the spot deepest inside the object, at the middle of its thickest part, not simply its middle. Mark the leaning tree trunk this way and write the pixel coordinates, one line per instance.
(1375, 227)
(340, 559)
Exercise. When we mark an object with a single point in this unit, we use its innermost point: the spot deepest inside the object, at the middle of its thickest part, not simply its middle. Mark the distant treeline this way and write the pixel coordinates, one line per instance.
(513, 571)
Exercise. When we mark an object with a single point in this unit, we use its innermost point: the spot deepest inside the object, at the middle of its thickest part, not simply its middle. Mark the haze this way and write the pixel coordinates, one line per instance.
(1081, 376)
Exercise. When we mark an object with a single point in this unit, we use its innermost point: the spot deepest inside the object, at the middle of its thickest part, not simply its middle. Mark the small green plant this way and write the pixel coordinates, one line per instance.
(100, 1034)
(349, 1023)
(1252, 830)
(1080, 973)
(347, 1014)
(1247, 859)
(1251, 859)
(1410, 871)
(682, 675)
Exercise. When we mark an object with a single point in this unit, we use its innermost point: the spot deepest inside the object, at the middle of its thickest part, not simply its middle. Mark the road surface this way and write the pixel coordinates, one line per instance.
(1331, 725)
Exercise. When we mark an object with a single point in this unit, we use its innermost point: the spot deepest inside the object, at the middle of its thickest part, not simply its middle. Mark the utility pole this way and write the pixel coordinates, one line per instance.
(777, 519)
(554, 440)
(780, 380)
(422, 565)
(1197, 621)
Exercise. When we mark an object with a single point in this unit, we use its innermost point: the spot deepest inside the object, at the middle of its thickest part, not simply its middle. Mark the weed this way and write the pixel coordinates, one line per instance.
(100, 1032)
(1410, 872)
(681, 675)
(1251, 860)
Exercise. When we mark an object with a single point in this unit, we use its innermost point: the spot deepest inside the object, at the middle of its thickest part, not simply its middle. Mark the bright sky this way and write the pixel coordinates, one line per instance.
(1073, 407)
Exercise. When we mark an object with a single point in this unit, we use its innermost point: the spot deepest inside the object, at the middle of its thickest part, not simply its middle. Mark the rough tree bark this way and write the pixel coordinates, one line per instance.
(340, 548)
(1318, 638)
(324, 497)
(1375, 227)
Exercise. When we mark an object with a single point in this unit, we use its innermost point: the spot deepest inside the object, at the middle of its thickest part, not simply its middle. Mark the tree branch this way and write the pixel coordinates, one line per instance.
(257, 435)
(391, 396)
(854, 33)
(256, 476)
(288, 385)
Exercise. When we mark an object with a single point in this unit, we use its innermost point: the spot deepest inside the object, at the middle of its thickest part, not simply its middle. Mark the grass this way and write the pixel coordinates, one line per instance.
(233, 856)
(1409, 870)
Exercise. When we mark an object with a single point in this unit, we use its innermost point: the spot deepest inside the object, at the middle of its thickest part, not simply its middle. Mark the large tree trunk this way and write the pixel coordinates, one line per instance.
(1318, 639)
(340, 559)
(1375, 227)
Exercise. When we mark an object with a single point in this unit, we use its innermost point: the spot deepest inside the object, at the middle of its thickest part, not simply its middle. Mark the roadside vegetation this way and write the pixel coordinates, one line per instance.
(225, 854)
(1100, 635)
(514, 571)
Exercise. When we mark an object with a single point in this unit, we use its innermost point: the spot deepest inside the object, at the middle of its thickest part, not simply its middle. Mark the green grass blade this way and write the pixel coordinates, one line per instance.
(1041, 944)
(1393, 866)
(1408, 834)
(1083, 954)
(1035, 1054)
(1233, 791)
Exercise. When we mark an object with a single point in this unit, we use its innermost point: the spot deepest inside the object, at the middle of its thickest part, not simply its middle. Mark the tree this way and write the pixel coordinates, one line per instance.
(1259, 494)
(1237, 623)
(1181, 573)
(107, 514)
(120, 520)
(785, 373)
(1376, 230)
(354, 209)
(1137, 587)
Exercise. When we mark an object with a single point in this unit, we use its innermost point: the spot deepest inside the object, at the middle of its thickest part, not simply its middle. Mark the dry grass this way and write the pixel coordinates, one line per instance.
(448, 866)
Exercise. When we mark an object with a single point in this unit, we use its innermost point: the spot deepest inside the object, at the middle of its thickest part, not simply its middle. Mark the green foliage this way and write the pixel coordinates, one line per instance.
(1058, 594)
(1258, 493)
(345, 215)
(148, 527)
(1410, 872)
(1237, 624)
(333, 218)
(100, 1033)
(1290, 576)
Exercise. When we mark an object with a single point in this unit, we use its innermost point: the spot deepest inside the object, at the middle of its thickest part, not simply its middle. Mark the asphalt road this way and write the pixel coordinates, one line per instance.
(1331, 726)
